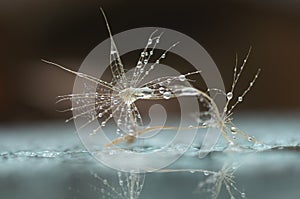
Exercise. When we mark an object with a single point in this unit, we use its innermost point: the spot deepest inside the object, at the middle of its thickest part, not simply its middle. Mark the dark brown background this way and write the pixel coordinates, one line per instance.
(66, 31)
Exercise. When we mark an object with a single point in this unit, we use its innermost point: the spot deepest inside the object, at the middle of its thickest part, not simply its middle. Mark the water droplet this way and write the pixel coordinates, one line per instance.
(139, 64)
(167, 95)
(113, 51)
(250, 139)
(161, 90)
(206, 173)
(181, 78)
(163, 55)
(119, 174)
(105, 182)
(100, 115)
(157, 61)
(229, 95)
(240, 99)
(233, 130)
(243, 195)
(149, 41)
(119, 121)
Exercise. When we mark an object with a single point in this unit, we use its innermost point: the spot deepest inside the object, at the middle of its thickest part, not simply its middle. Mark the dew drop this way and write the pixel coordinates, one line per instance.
(139, 64)
(181, 78)
(229, 95)
(161, 90)
(163, 55)
(119, 121)
(121, 183)
(206, 173)
(113, 52)
(167, 95)
(233, 130)
(119, 174)
(231, 143)
(240, 99)
(250, 139)
(243, 195)
(105, 182)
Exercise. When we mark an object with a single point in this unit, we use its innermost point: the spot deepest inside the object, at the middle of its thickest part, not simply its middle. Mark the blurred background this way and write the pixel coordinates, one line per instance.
(66, 31)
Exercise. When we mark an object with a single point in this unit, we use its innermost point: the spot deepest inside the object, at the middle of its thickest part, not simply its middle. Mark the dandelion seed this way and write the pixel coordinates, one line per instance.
(128, 186)
(117, 98)
(215, 180)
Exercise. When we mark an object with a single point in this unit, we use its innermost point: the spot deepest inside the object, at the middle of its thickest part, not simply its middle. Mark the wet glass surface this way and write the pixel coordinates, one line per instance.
(49, 161)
